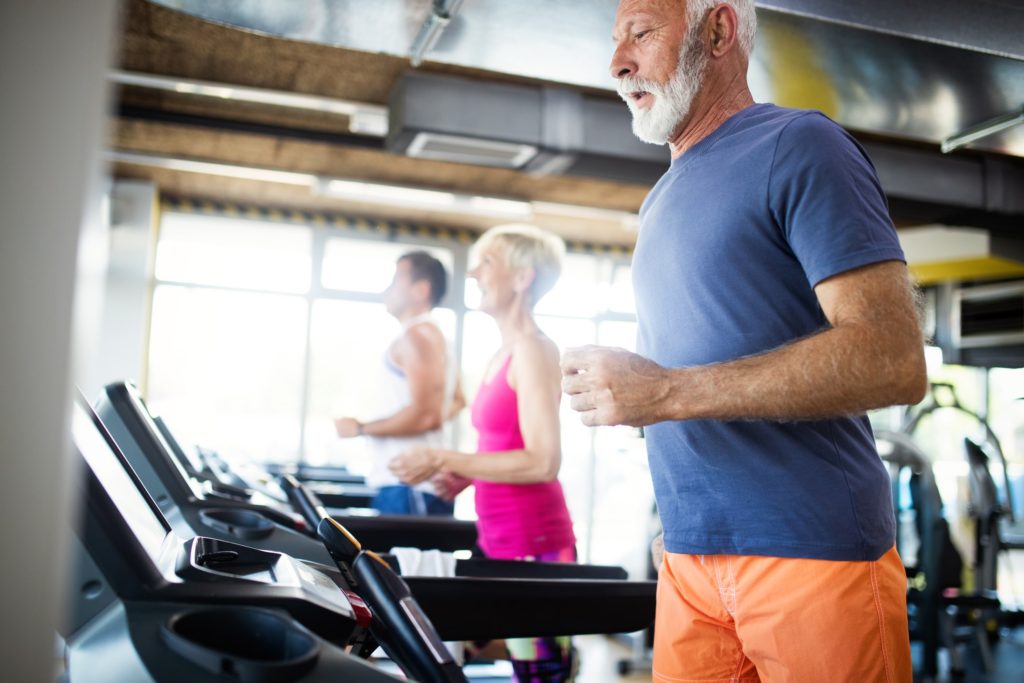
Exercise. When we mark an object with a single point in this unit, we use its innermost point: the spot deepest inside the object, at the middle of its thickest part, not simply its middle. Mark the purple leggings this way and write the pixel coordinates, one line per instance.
(549, 659)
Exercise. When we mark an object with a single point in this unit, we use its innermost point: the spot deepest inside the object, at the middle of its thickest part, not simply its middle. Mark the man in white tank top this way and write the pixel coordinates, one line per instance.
(417, 383)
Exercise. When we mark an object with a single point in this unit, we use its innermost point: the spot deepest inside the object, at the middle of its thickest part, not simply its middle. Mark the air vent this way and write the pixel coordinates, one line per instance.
(466, 150)
(989, 316)
(541, 130)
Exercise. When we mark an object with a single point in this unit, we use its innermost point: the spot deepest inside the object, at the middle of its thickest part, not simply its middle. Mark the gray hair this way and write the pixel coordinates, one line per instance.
(527, 246)
(745, 15)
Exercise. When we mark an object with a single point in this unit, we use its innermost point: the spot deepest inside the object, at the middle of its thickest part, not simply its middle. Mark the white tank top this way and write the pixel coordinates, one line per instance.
(393, 392)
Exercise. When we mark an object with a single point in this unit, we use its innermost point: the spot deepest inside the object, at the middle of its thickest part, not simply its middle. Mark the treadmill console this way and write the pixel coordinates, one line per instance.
(135, 528)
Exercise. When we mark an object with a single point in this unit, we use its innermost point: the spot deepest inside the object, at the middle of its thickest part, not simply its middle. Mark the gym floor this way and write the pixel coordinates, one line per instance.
(600, 657)
(1008, 657)
(599, 663)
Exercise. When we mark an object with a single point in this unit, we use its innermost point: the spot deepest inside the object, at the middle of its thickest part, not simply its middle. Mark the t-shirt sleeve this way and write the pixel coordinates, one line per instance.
(825, 197)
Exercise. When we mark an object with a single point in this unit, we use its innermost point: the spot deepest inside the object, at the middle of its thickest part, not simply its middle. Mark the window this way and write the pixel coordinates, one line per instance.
(263, 333)
(347, 342)
(228, 252)
(367, 266)
(227, 367)
(620, 294)
(343, 369)
(574, 293)
(1006, 403)
(253, 350)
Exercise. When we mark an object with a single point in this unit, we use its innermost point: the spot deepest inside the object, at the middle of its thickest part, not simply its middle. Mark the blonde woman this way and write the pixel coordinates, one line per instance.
(519, 503)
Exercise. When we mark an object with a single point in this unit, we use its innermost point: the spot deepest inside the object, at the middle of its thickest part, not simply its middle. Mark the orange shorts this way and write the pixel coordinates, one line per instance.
(734, 618)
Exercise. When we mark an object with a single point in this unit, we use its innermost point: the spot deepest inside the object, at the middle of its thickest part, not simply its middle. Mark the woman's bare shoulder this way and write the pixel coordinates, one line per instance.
(537, 349)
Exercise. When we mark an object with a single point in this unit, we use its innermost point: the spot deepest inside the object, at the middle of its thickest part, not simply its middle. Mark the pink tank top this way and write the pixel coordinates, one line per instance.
(514, 520)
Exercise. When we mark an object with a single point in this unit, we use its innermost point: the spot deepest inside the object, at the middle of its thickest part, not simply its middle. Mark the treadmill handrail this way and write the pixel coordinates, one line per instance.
(303, 500)
(529, 608)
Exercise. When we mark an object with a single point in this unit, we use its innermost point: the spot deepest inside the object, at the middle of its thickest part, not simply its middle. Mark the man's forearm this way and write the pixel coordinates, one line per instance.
(408, 421)
(840, 371)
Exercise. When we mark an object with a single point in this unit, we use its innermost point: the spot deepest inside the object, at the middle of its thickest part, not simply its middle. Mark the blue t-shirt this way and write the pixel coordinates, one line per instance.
(733, 239)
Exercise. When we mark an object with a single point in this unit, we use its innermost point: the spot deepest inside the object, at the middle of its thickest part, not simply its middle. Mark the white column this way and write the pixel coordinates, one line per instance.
(53, 57)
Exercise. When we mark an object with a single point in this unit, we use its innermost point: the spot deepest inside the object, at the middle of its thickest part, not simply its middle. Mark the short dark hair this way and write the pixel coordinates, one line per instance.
(426, 267)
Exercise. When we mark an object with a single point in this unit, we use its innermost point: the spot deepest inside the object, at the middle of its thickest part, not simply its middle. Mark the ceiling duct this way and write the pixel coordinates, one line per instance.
(919, 70)
(470, 122)
(429, 145)
(542, 130)
(556, 131)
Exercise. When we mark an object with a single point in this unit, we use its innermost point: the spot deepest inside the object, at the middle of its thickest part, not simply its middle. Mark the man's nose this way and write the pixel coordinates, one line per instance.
(621, 65)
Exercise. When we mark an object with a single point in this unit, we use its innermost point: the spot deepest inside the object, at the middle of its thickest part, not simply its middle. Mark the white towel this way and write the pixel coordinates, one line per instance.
(417, 562)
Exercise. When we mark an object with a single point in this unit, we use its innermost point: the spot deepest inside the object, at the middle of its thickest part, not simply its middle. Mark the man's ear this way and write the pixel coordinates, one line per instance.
(723, 24)
(421, 288)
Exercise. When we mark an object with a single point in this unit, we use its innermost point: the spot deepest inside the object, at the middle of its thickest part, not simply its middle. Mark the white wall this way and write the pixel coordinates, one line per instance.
(53, 57)
(121, 346)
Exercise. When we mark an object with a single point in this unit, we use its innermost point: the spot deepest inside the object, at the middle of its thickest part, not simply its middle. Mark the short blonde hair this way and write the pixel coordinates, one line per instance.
(526, 246)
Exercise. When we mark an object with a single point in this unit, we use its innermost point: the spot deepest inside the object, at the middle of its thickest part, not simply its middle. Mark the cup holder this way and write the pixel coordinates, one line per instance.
(247, 644)
(244, 524)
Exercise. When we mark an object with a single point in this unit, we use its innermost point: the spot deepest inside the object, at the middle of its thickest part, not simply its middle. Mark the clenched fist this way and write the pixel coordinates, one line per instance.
(416, 464)
(615, 387)
(347, 427)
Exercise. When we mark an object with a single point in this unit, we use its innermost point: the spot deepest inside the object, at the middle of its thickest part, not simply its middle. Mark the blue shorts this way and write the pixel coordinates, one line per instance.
(405, 500)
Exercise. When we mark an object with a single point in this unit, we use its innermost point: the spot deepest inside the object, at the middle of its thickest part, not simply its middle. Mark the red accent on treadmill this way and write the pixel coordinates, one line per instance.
(363, 614)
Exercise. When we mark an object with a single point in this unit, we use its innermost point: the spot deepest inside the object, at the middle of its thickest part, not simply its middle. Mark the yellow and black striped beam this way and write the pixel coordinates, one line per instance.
(393, 230)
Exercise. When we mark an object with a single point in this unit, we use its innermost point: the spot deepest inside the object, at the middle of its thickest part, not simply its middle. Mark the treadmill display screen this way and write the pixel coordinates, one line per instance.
(122, 489)
(143, 414)
(184, 453)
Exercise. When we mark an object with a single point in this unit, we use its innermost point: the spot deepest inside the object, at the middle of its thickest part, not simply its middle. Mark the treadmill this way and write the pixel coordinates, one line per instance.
(166, 607)
(336, 474)
(184, 490)
(148, 606)
(245, 474)
(198, 504)
(312, 509)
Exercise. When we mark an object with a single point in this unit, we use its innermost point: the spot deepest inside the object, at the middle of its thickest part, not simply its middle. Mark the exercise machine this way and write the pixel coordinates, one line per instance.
(200, 506)
(150, 606)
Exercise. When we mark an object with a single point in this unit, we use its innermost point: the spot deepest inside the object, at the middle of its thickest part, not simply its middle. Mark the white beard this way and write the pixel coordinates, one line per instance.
(673, 99)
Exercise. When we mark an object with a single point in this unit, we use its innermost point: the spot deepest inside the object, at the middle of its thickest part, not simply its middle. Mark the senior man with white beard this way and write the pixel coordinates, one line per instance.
(774, 308)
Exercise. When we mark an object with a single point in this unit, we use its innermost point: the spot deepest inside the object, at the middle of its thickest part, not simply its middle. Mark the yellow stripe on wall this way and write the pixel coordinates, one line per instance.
(353, 223)
(984, 268)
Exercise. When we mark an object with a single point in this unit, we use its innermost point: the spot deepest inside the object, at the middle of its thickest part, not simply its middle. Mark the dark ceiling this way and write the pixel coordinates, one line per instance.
(885, 84)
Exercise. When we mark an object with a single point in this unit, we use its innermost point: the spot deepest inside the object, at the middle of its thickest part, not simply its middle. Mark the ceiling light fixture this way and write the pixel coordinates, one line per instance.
(493, 205)
(385, 194)
(376, 193)
(380, 193)
(364, 118)
(267, 175)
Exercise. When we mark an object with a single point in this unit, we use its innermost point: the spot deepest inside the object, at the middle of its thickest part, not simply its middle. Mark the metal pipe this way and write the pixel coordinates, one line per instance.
(984, 129)
(440, 16)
